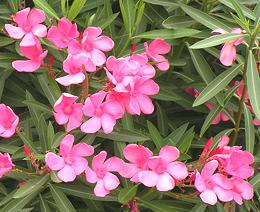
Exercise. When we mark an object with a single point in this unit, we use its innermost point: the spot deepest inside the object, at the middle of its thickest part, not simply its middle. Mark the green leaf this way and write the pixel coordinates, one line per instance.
(216, 40)
(42, 131)
(32, 186)
(201, 207)
(64, 7)
(168, 33)
(128, 12)
(253, 84)
(255, 181)
(61, 200)
(83, 192)
(43, 4)
(27, 142)
(44, 205)
(176, 135)
(38, 106)
(127, 194)
(204, 18)
(238, 9)
(169, 3)
(75, 8)
(107, 22)
(249, 130)
(50, 135)
(4, 41)
(217, 85)
(176, 22)
(155, 135)
(185, 143)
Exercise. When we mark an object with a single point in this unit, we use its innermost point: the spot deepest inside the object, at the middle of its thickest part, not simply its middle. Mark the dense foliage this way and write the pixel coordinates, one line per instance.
(130, 105)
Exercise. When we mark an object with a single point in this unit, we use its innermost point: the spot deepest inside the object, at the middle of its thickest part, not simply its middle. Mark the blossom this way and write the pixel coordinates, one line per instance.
(66, 110)
(71, 163)
(103, 113)
(138, 156)
(93, 44)
(100, 173)
(228, 159)
(155, 50)
(62, 34)
(8, 121)
(35, 56)
(6, 164)
(228, 52)
(73, 65)
(163, 171)
(213, 186)
(28, 25)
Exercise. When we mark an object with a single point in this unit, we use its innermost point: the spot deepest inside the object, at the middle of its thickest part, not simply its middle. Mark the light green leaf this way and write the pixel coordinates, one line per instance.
(128, 12)
(169, 3)
(4, 41)
(155, 135)
(201, 207)
(204, 18)
(127, 194)
(168, 33)
(253, 84)
(75, 8)
(216, 40)
(61, 200)
(217, 85)
(249, 130)
(38, 106)
(176, 22)
(32, 186)
(43, 4)
(176, 135)
(255, 181)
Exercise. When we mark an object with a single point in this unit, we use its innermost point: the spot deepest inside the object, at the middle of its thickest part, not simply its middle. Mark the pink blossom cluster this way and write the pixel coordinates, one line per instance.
(225, 173)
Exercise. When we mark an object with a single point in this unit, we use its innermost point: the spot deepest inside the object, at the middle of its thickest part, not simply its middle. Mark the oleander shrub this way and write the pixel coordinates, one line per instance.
(129, 105)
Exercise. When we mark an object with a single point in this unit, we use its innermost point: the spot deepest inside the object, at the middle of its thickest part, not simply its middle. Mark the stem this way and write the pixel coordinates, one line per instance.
(241, 102)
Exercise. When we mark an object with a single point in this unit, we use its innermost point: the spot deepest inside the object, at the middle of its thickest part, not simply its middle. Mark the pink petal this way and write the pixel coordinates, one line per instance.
(26, 65)
(114, 108)
(209, 197)
(224, 140)
(164, 63)
(103, 43)
(61, 118)
(228, 54)
(220, 31)
(111, 181)
(91, 176)
(113, 164)
(154, 162)
(74, 121)
(165, 182)
(67, 174)
(21, 17)
(148, 178)
(82, 149)
(98, 160)
(169, 153)
(145, 104)
(108, 123)
(217, 119)
(178, 170)
(98, 57)
(222, 181)
(66, 145)
(209, 169)
(137, 153)
(246, 189)
(133, 106)
(222, 194)
(39, 30)
(92, 125)
(159, 46)
(74, 47)
(92, 32)
(28, 40)
(149, 87)
(71, 79)
(90, 66)
(100, 189)
(54, 161)
(14, 32)
(89, 108)
(36, 16)
(56, 37)
(199, 183)
(79, 165)
(256, 122)
(129, 170)
(98, 98)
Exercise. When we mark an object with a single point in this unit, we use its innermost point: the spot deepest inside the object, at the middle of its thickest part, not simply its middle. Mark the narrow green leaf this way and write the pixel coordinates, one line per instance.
(204, 18)
(238, 9)
(44, 205)
(127, 194)
(176, 135)
(42, 131)
(50, 135)
(216, 40)
(64, 7)
(128, 12)
(4, 41)
(75, 8)
(168, 33)
(185, 143)
(253, 84)
(61, 200)
(255, 181)
(249, 130)
(43, 4)
(217, 85)
(31, 187)
(27, 142)
(169, 3)
(176, 22)
(38, 106)
(107, 22)
(155, 135)
(201, 207)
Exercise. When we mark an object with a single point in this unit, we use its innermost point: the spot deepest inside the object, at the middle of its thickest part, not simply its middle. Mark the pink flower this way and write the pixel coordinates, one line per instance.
(35, 57)
(66, 110)
(62, 34)
(163, 171)
(93, 45)
(138, 156)
(213, 185)
(241, 190)
(29, 25)
(71, 163)
(73, 66)
(228, 52)
(101, 173)
(155, 50)
(8, 121)
(103, 114)
(6, 164)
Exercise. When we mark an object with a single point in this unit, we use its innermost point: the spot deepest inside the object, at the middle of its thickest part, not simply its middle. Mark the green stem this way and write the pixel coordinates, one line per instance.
(241, 102)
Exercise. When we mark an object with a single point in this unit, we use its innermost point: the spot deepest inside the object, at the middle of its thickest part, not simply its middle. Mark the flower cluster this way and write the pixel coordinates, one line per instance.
(224, 175)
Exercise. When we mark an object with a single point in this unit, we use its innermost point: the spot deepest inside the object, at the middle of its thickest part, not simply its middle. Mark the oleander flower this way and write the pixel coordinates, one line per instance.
(6, 164)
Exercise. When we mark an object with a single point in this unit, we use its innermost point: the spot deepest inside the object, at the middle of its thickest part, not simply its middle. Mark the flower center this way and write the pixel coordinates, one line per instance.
(160, 169)
(98, 112)
(88, 47)
(27, 28)
(69, 160)
(67, 110)
(101, 173)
